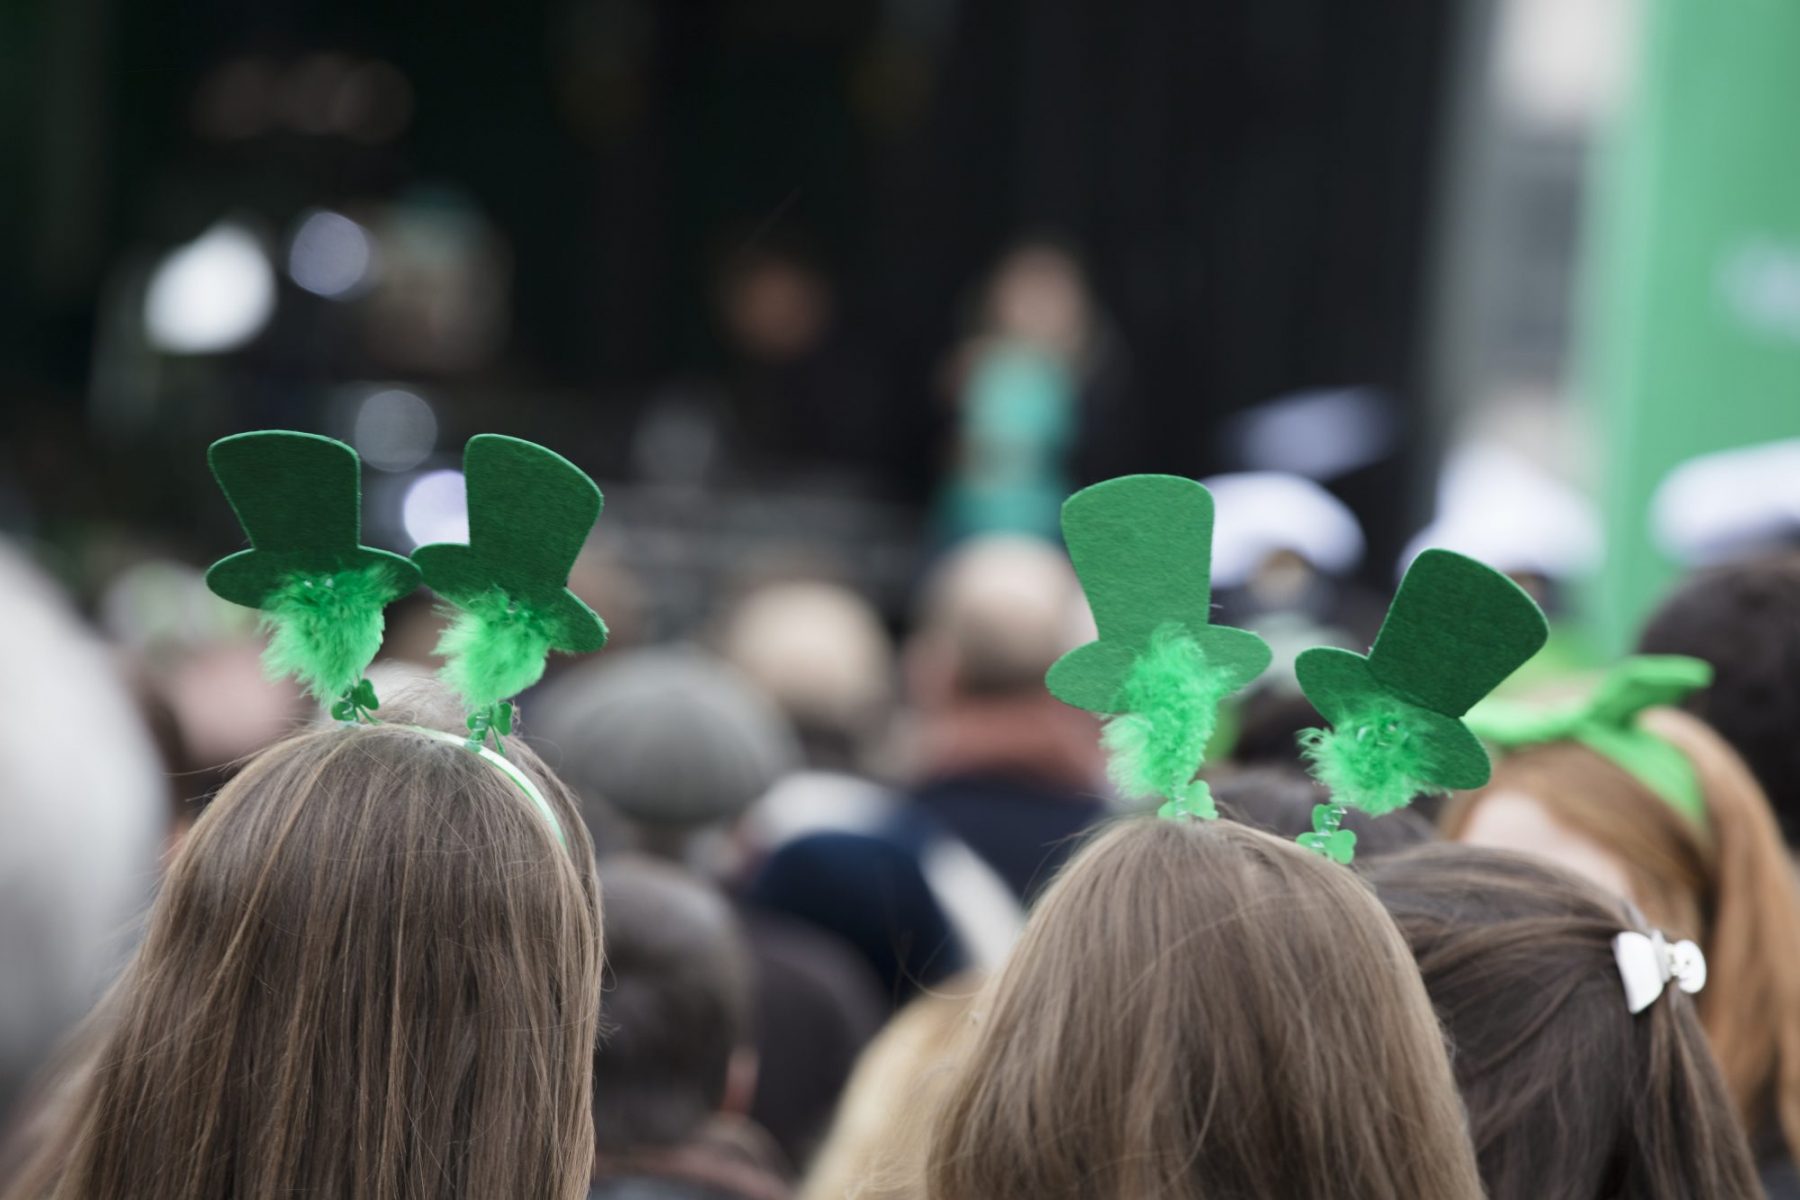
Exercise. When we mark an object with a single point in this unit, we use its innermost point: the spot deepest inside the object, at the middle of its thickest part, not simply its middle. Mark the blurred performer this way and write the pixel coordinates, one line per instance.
(1039, 372)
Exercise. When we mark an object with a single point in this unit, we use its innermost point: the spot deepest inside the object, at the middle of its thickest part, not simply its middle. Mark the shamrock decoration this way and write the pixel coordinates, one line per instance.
(1339, 845)
(1142, 547)
(357, 704)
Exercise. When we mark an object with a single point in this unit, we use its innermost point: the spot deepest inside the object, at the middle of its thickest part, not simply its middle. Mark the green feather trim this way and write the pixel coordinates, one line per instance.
(324, 630)
(1375, 763)
(1170, 708)
(494, 649)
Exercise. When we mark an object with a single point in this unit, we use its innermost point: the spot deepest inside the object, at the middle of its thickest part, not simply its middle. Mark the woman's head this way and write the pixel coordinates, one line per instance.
(373, 972)
(1199, 1009)
(1726, 883)
(1569, 1094)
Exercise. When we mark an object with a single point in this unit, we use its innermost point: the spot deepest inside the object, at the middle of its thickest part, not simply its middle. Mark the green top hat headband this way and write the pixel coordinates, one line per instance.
(1455, 631)
(298, 497)
(1607, 723)
(530, 511)
(1142, 547)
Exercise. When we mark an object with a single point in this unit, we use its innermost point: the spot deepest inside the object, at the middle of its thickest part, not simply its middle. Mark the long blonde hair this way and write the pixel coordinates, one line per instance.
(372, 973)
(1198, 1009)
(1729, 886)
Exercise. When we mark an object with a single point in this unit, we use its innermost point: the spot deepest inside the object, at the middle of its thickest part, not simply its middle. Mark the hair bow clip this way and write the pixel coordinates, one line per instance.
(1648, 961)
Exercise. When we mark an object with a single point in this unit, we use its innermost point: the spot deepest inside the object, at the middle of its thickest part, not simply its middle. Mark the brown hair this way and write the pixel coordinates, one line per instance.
(1570, 1096)
(372, 973)
(1198, 1009)
(1729, 886)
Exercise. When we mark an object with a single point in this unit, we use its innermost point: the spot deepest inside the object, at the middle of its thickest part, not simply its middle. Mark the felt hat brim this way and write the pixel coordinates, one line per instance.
(1341, 685)
(457, 573)
(1093, 676)
(249, 576)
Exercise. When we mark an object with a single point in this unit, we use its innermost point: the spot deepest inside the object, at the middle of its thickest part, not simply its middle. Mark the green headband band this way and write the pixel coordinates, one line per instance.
(1607, 723)
(502, 764)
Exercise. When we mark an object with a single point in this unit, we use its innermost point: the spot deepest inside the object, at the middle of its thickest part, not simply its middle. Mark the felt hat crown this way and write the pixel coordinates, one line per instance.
(298, 497)
(530, 512)
(1457, 628)
(1142, 548)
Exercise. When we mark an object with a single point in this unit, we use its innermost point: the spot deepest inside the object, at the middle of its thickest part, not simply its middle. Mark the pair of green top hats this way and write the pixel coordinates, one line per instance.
(1142, 547)
(322, 593)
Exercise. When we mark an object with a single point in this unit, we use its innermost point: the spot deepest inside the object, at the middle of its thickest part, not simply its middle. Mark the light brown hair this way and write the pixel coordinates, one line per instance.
(1197, 1009)
(1570, 1095)
(373, 973)
(1729, 886)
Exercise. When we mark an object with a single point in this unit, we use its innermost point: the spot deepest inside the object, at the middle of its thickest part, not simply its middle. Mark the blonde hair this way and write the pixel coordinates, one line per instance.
(373, 973)
(1729, 885)
(876, 1147)
(1198, 1009)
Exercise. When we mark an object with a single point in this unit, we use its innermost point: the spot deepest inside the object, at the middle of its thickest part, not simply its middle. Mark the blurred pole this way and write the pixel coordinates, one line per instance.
(1692, 337)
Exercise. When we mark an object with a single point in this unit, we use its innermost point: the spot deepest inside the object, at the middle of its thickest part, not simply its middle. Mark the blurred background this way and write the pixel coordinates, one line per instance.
(838, 300)
(819, 289)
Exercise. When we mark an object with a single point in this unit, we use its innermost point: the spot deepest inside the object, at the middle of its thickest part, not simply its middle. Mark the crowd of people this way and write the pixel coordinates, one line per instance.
(820, 915)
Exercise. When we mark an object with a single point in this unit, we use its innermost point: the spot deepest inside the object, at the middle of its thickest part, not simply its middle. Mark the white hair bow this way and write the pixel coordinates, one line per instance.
(1648, 961)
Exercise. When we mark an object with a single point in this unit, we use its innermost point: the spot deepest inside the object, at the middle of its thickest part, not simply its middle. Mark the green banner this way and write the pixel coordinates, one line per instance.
(1693, 283)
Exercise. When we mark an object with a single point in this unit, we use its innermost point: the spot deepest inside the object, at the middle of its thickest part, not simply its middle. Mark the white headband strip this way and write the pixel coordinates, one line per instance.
(506, 768)
(1648, 961)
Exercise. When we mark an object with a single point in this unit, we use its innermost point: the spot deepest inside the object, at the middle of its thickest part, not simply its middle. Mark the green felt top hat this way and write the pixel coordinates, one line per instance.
(1142, 546)
(530, 512)
(299, 498)
(1456, 630)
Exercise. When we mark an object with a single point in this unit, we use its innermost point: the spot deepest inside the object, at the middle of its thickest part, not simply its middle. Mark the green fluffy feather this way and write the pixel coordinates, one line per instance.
(1170, 707)
(494, 649)
(324, 630)
(1375, 763)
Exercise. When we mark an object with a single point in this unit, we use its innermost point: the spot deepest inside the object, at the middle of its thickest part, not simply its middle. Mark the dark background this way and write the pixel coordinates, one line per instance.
(1249, 186)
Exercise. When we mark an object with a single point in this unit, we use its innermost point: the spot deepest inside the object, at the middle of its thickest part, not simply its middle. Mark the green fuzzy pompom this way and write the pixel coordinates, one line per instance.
(494, 649)
(1375, 763)
(324, 630)
(1169, 710)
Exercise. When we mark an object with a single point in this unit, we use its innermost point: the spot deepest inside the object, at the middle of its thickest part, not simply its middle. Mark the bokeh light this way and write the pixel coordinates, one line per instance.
(214, 294)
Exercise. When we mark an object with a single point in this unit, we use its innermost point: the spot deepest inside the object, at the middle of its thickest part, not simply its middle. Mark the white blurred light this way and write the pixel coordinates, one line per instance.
(211, 295)
(436, 508)
(331, 255)
(1319, 434)
(1500, 507)
(395, 430)
(1258, 513)
(1719, 506)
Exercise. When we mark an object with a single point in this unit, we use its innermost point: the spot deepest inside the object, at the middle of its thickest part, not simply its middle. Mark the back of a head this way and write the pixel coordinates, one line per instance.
(1197, 1009)
(82, 817)
(1570, 1096)
(1001, 609)
(1744, 619)
(677, 1000)
(1728, 884)
(820, 652)
(373, 972)
(670, 737)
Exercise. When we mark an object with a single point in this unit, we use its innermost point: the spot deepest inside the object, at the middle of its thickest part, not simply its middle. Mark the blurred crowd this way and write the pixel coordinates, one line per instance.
(817, 840)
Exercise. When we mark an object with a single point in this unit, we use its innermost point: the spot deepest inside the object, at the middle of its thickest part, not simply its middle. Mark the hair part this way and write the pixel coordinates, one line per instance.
(1197, 1009)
